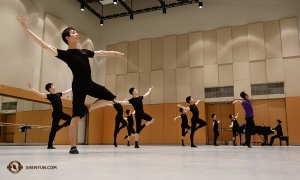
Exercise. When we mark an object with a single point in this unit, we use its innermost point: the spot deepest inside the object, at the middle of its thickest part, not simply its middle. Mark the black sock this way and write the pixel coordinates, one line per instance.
(74, 147)
(137, 144)
(182, 142)
(128, 143)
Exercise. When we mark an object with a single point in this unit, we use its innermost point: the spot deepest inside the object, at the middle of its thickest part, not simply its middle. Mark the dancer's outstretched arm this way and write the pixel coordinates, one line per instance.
(184, 108)
(197, 102)
(176, 118)
(34, 37)
(133, 113)
(237, 101)
(67, 91)
(147, 93)
(36, 92)
(107, 53)
(237, 115)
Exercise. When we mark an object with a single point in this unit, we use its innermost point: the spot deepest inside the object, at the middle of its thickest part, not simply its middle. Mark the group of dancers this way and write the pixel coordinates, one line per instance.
(83, 85)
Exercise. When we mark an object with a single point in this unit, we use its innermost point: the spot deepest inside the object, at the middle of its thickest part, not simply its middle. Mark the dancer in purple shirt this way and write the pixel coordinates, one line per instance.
(247, 105)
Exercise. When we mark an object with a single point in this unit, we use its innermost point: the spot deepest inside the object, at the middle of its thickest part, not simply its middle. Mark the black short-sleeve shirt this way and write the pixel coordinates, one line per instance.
(235, 126)
(78, 62)
(137, 104)
(55, 101)
(194, 110)
(130, 120)
(216, 125)
(184, 119)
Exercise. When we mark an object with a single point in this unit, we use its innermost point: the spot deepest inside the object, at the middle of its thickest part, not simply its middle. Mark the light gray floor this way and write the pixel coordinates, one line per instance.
(104, 162)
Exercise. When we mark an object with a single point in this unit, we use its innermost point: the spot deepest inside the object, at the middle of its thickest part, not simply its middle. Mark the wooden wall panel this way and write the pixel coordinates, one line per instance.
(95, 126)
(111, 60)
(169, 52)
(145, 136)
(46, 120)
(196, 49)
(108, 125)
(210, 47)
(169, 86)
(293, 123)
(258, 73)
(182, 83)
(157, 81)
(225, 122)
(157, 128)
(182, 50)
(240, 43)
(272, 39)
(145, 55)
(133, 57)
(256, 43)
(261, 115)
(157, 54)
(224, 46)
(145, 83)
(121, 62)
(170, 132)
(277, 110)
(197, 83)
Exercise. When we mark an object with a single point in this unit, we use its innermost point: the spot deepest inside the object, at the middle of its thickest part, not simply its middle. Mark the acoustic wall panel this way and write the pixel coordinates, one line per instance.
(121, 90)
(182, 50)
(210, 47)
(169, 52)
(145, 83)
(111, 60)
(121, 61)
(258, 73)
(157, 81)
(133, 81)
(111, 83)
(183, 83)
(241, 71)
(211, 75)
(291, 77)
(272, 39)
(225, 75)
(256, 43)
(197, 83)
(241, 85)
(145, 55)
(275, 70)
(133, 57)
(224, 46)
(196, 49)
(157, 54)
(240, 43)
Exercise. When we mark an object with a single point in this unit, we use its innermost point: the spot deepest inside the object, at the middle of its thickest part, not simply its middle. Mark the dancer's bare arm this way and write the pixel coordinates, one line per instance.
(197, 102)
(231, 125)
(35, 38)
(107, 53)
(36, 92)
(67, 91)
(147, 93)
(176, 118)
(184, 108)
(237, 115)
(133, 113)
(237, 101)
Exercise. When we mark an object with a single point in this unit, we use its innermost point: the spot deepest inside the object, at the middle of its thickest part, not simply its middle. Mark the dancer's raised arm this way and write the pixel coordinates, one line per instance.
(36, 92)
(35, 38)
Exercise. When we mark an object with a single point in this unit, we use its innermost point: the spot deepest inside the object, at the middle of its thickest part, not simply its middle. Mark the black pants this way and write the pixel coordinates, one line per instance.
(194, 127)
(273, 138)
(56, 117)
(183, 129)
(216, 135)
(249, 127)
(117, 124)
(138, 120)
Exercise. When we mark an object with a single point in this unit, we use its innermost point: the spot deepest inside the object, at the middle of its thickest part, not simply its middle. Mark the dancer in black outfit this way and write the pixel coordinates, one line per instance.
(137, 103)
(82, 85)
(216, 129)
(184, 125)
(235, 127)
(130, 129)
(57, 113)
(278, 128)
(118, 119)
(195, 118)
